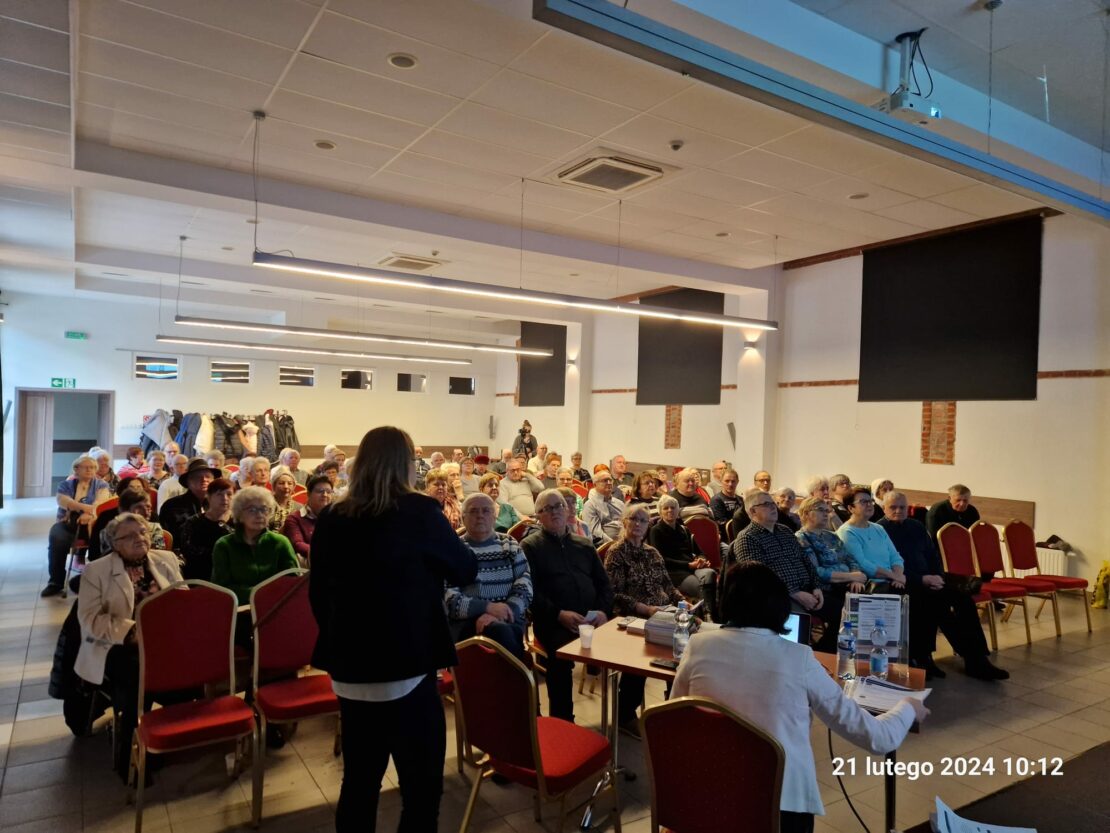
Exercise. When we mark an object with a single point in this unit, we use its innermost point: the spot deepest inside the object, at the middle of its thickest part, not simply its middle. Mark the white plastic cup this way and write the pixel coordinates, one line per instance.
(586, 635)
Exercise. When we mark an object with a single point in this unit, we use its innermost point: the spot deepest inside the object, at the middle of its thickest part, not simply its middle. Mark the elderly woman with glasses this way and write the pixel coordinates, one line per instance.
(835, 565)
(437, 484)
(252, 553)
(869, 543)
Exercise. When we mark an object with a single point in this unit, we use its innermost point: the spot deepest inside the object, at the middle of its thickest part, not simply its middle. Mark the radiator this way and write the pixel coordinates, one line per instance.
(1053, 562)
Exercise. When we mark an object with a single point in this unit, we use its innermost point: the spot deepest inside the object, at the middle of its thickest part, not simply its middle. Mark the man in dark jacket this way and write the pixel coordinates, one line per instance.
(175, 511)
(933, 602)
(570, 588)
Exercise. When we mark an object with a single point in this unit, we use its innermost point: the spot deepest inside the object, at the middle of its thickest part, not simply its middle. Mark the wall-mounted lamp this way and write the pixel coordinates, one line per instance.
(751, 345)
(572, 363)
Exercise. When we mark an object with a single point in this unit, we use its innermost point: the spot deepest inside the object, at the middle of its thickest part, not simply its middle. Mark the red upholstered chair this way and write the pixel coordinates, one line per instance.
(988, 555)
(498, 700)
(1022, 549)
(738, 754)
(708, 536)
(111, 503)
(518, 530)
(168, 539)
(580, 489)
(185, 636)
(958, 555)
(285, 633)
(300, 497)
(705, 495)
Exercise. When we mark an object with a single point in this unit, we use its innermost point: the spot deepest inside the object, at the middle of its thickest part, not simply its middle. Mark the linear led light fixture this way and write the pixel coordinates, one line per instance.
(317, 332)
(309, 351)
(385, 277)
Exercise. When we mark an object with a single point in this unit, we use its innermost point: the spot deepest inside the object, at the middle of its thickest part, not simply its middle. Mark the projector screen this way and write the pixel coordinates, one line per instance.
(955, 317)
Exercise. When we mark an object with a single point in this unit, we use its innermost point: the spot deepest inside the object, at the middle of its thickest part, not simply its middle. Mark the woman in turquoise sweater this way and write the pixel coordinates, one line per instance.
(252, 553)
(869, 544)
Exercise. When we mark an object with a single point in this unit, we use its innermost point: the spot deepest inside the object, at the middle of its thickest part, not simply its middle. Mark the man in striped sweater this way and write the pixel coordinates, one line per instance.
(495, 604)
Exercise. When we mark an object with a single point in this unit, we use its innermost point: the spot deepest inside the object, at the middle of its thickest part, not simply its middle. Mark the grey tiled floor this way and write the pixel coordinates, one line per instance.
(1057, 703)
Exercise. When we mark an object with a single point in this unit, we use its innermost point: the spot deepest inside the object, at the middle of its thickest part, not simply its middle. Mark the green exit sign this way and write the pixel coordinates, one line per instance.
(56, 382)
(76, 335)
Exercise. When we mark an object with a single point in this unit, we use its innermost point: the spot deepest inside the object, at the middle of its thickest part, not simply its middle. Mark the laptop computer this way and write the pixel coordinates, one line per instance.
(797, 625)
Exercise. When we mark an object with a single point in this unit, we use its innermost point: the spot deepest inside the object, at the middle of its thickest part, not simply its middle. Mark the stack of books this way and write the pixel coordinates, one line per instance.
(659, 629)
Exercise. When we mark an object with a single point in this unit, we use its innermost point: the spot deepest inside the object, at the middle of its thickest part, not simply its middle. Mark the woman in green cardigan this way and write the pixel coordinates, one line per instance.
(252, 553)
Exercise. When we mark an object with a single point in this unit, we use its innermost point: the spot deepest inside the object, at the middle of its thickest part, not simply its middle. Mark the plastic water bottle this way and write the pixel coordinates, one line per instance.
(880, 662)
(846, 651)
(681, 630)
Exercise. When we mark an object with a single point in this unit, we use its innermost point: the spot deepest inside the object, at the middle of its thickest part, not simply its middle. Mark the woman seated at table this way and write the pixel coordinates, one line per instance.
(252, 553)
(645, 492)
(835, 565)
(494, 605)
(111, 589)
(869, 544)
(776, 684)
(437, 485)
(641, 586)
(507, 516)
(200, 533)
(77, 500)
(284, 483)
(691, 573)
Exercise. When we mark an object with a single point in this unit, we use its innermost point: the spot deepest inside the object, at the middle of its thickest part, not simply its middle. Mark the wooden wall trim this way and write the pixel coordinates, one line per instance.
(1098, 373)
(820, 383)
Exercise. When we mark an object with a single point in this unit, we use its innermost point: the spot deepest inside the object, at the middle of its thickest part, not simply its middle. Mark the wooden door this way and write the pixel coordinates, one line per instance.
(36, 442)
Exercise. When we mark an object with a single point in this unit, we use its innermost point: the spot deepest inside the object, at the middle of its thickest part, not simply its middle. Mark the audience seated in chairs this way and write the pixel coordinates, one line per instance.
(284, 484)
(468, 479)
(301, 522)
(641, 586)
(135, 502)
(135, 466)
(291, 459)
(111, 589)
(934, 602)
(773, 545)
(171, 487)
(834, 564)
(602, 511)
(216, 460)
(330, 470)
(775, 684)
(104, 515)
(840, 487)
(520, 487)
(784, 501)
(496, 603)
(879, 488)
(581, 474)
(692, 574)
(621, 475)
(869, 544)
(564, 479)
(818, 486)
(437, 485)
(175, 511)
(569, 582)
(77, 500)
(726, 500)
(199, 534)
(104, 468)
(690, 501)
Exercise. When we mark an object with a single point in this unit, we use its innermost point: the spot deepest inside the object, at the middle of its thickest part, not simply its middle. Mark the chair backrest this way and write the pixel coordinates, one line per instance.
(301, 498)
(708, 535)
(730, 530)
(110, 503)
(744, 757)
(518, 530)
(185, 637)
(231, 467)
(604, 548)
(956, 551)
(498, 701)
(1021, 546)
(988, 549)
(300, 488)
(168, 539)
(705, 495)
(580, 490)
(287, 634)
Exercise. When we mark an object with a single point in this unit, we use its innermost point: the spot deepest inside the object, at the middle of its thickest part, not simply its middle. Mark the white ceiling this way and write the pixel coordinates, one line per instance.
(496, 103)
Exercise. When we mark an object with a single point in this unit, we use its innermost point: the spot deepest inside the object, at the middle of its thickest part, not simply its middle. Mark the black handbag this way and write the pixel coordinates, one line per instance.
(972, 585)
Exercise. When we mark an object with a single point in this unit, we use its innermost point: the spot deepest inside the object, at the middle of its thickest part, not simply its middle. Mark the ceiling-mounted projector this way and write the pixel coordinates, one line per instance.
(903, 103)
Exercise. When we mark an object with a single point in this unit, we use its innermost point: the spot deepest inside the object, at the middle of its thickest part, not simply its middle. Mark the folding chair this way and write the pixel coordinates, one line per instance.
(988, 556)
(1022, 549)
(708, 537)
(285, 633)
(186, 634)
(743, 756)
(580, 489)
(301, 497)
(498, 700)
(958, 555)
(518, 530)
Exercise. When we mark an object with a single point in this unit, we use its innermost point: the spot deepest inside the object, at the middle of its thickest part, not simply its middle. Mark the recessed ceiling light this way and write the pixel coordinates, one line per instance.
(574, 274)
(861, 195)
(723, 234)
(228, 248)
(253, 221)
(402, 60)
(325, 144)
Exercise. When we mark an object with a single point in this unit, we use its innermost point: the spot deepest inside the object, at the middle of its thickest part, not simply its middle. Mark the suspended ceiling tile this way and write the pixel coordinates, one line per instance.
(729, 115)
(504, 129)
(53, 14)
(985, 200)
(297, 137)
(652, 137)
(567, 197)
(929, 215)
(481, 155)
(912, 176)
(533, 98)
(829, 149)
(121, 97)
(33, 45)
(448, 173)
(162, 73)
(34, 83)
(129, 131)
(721, 233)
(118, 22)
(280, 22)
(18, 110)
(857, 193)
(724, 188)
(361, 46)
(578, 64)
(326, 117)
(758, 165)
(356, 88)
(667, 198)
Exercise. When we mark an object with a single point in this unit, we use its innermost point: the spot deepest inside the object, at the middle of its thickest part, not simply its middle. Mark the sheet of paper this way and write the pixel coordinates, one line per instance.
(880, 696)
(885, 607)
(947, 821)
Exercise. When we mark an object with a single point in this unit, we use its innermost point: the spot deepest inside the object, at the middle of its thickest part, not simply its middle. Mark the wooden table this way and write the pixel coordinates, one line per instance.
(615, 650)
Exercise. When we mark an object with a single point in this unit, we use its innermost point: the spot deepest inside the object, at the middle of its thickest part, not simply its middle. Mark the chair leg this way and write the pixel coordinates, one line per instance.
(459, 751)
(1054, 598)
(478, 777)
(991, 625)
(1086, 608)
(140, 783)
(258, 770)
(616, 804)
(1040, 610)
(1008, 612)
(562, 812)
(537, 807)
(1025, 615)
(337, 746)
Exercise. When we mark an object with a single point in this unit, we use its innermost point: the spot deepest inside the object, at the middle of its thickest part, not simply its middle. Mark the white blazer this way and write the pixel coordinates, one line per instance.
(775, 684)
(106, 607)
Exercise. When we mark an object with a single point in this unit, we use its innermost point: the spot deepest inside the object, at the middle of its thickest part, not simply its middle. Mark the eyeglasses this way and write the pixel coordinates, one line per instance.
(864, 500)
(259, 510)
(130, 539)
(764, 503)
(555, 508)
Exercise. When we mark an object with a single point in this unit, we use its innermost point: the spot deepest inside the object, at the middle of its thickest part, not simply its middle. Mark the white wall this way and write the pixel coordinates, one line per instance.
(1054, 451)
(34, 350)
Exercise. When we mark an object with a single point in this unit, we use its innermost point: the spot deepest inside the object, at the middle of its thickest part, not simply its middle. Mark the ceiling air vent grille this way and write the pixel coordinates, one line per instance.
(610, 174)
(411, 263)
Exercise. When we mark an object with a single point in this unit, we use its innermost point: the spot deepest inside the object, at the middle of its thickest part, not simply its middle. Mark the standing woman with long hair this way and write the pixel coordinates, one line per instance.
(380, 557)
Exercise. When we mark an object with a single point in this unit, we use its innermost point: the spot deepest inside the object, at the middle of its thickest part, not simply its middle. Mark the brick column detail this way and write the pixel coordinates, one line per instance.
(672, 427)
(938, 433)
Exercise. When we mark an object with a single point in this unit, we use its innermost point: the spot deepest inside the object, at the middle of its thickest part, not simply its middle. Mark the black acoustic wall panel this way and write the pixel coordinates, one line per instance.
(953, 317)
(679, 363)
(543, 378)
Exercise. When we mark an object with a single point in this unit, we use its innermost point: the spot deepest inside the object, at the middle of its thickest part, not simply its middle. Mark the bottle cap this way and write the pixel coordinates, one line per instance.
(879, 623)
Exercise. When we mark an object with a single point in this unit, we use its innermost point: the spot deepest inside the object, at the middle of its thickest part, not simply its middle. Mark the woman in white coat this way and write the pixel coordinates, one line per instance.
(111, 589)
(775, 684)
